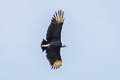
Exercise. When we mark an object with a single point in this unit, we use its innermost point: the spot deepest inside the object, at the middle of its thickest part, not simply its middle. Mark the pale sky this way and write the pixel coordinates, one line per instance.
(91, 31)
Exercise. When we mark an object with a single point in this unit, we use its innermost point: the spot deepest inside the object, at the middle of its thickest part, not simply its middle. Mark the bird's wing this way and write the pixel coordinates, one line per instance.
(54, 30)
(53, 56)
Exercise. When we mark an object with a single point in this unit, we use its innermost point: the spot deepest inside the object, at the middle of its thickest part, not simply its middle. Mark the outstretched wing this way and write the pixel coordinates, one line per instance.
(54, 30)
(53, 56)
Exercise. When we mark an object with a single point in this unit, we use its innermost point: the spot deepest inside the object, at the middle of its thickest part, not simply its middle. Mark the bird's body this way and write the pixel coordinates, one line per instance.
(53, 43)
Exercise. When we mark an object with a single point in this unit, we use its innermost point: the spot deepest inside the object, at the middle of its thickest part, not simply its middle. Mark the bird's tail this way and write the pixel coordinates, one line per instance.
(44, 42)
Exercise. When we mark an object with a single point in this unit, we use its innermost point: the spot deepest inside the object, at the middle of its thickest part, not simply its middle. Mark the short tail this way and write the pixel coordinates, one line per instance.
(44, 42)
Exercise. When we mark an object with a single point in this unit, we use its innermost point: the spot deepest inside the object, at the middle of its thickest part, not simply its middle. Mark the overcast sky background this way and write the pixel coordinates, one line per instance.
(91, 31)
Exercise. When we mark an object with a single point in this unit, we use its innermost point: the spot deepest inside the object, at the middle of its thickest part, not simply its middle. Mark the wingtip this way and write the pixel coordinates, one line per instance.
(56, 64)
(58, 17)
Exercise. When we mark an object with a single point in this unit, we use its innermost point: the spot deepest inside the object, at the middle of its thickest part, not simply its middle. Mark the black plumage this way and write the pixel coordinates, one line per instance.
(53, 43)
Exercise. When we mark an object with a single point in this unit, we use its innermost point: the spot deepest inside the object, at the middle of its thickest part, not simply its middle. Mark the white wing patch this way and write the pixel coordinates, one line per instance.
(58, 17)
(57, 64)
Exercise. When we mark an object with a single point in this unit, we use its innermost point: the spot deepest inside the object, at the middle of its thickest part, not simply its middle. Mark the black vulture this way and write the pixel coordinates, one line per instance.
(53, 43)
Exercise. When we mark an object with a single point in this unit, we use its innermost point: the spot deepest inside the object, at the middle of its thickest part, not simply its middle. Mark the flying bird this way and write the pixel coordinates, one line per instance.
(53, 44)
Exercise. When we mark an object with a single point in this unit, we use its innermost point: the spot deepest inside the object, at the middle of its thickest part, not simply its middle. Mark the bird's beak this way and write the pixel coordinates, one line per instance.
(63, 45)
